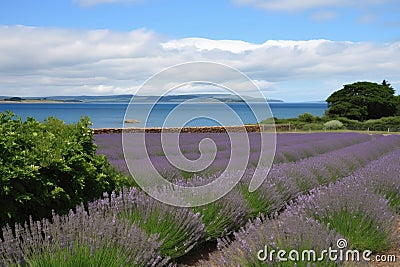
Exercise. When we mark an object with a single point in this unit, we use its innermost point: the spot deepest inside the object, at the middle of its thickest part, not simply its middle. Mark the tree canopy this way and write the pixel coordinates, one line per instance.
(363, 101)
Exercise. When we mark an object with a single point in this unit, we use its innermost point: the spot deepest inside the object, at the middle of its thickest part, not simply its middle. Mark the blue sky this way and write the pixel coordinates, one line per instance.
(294, 50)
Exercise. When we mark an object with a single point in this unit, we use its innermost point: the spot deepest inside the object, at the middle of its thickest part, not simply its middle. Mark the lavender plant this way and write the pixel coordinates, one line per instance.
(267, 198)
(290, 179)
(355, 212)
(293, 150)
(342, 155)
(178, 229)
(294, 146)
(331, 166)
(224, 215)
(259, 242)
(79, 239)
(383, 177)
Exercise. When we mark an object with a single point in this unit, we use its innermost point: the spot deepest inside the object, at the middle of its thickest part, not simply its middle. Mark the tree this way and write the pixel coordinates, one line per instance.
(398, 105)
(363, 101)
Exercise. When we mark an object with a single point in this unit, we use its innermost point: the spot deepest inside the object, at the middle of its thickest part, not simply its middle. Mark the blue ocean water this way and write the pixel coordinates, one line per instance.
(111, 115)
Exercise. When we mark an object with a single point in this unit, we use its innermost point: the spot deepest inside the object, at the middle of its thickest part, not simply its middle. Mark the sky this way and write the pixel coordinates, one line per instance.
(293, 50)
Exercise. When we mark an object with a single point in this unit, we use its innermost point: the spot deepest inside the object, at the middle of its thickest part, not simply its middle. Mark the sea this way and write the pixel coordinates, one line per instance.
(112, 115)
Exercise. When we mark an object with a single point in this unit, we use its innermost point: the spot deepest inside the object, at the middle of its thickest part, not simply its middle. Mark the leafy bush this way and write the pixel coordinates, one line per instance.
(270, 121)
(312, 126)
(383, 124)
(350, 124)
(306, 117)
(49, 166)
(333, 125)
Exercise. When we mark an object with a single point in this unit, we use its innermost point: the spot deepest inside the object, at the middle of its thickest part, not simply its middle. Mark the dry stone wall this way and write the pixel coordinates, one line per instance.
(212, 129)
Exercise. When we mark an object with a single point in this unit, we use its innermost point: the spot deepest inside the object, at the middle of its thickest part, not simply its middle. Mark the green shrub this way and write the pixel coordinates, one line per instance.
(307, 122)
(311, 126)
(49, 166)
(306, 117)
(383, 124)
(333, 125)
(351, 124)
(269, 121)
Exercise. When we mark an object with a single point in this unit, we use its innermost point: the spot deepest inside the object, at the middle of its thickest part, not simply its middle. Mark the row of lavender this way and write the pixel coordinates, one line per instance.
(148, 233)
(289, 148)
(357, 213)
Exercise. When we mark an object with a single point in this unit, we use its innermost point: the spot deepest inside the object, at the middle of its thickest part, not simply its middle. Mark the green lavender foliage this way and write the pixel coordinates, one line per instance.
(225, 215)
(178, 229)
(265, 200)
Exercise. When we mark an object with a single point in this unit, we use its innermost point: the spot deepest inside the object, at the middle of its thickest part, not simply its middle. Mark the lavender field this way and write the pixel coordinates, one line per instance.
(322, 187)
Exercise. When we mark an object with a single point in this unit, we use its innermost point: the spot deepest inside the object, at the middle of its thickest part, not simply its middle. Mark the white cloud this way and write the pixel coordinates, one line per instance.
(44, 61)
(233, 46)
(89, 3)
(296, 5)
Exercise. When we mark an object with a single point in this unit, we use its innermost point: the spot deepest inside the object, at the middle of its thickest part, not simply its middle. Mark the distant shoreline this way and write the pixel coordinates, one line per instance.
(38, 102)
(225, 98)
(28, 101)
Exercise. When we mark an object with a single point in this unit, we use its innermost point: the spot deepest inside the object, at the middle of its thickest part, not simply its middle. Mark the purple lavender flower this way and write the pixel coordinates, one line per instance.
(92, 239)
